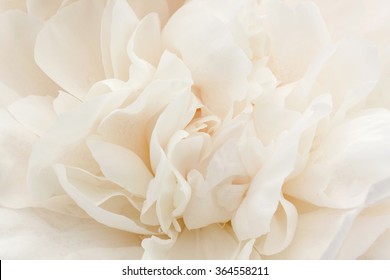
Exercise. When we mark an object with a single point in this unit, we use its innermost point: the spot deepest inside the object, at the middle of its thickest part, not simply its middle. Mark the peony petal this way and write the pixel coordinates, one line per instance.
(118, 24)
(319, 234)
(68, 47)
(64, 102)
(64, 142)
(43, 9)
(172, 67)
(282, 229)
(18, 70)
(144, 8)
(367, 227)
(210, 243)
(302, 29)
(380, 249)
(24, 232)
(34, 112)
(94, 195)
(7, 96)
(254, 215)
(121, 166)
(219, 68)
(341, 173)
(146, 40)
(15, 147)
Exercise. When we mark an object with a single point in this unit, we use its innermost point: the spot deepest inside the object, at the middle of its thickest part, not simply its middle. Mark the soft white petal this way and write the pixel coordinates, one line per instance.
(296, 35)
(121, 166)
(380, 250)
(143, 8)
(282, 229)
(68, 47)
(42, 8)
(34, 112)
(214, 242)
(18, 70)
(15, 147)
(367, 227)
(64, 143)
(118, 24)
(93, 195)
(350, 160)
(219, 67)
(319, 235)
(41, 234)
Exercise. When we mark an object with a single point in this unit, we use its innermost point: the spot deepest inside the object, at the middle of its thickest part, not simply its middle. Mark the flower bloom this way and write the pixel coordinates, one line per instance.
(195, 129)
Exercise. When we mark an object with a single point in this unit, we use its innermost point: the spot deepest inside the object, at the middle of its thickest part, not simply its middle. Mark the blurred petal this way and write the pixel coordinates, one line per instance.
(41, 234)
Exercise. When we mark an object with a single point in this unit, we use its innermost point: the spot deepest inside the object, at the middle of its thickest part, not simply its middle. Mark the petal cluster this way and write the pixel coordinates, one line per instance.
(195, 129)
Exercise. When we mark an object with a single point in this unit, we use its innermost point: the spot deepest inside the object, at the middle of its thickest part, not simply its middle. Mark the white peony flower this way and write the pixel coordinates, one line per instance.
(194, 129)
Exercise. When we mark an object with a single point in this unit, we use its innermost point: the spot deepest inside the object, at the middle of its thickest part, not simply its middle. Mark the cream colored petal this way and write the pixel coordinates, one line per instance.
(100, 200)
(209, 243)
(6, 5)
(68, 47)
(297, 34)
(7, 96)
(156, 248)
(253, 217)
(380, 250)
(146, 40)
(319, 235)
(282, 229)
(140, 116)
(121, 166)
(348, 163)
(42, 234)
(43, 9)
(350, 73)
(219, 67)
(15, 147)
(172, 67)
(143, 8)
(34, 112)
(64, 102)
(18, 70)
(169, 190)
(367, 227)
(118, 23)
(354, 16)
(64, 142)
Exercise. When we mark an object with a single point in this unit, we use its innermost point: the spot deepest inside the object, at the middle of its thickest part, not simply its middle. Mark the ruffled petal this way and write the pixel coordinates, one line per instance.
(106, 203)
